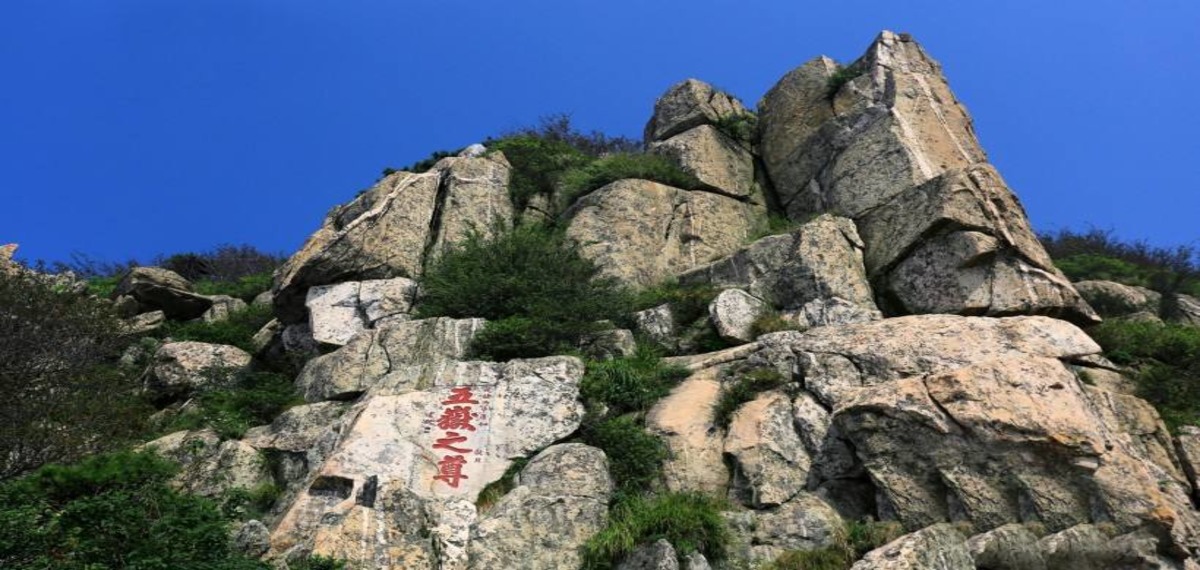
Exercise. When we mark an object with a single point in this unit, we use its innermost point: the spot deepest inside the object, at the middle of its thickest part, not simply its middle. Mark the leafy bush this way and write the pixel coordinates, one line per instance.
(851, 544)
(769, 322)
(111, 511)
(580, 181)
(246, 287)
(252, 399)
(65, 397)
(690, 522)
(238, 330)
(742, 389)
(688, 302)
(1098, 254)
(540, 294)
(224, 263)
(741, 127)
(635, 457)
(841, 77)
(631, 384)
(1166, 358)
(540, 155)
(497, 489)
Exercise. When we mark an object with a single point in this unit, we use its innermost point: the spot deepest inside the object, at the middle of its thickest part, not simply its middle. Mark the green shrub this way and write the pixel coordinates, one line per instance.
(246, 287)
(103, 286)
(688, 302)
(741, 127)
(631, 384)
(841, 77)
(539, 293)
(828, 558)
(318, 563)
(1098, 254)
(770, 322)
(238, 330)
(64, 394)
(1166, 359)
(231, 408)
(580, 181)
(851, 544)
(111, 511)
(690, 522)
(864, 536)
(424, 164)
(497, 489)
(537, 163)
(635, 457)
(742, 389)
(223, 263)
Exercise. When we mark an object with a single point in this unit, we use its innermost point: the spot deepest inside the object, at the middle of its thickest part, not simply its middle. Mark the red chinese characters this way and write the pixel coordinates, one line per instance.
(458, 417)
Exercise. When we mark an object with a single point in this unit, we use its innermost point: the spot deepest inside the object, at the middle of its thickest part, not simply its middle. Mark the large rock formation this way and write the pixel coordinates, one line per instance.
(396, 226)
(883, 141)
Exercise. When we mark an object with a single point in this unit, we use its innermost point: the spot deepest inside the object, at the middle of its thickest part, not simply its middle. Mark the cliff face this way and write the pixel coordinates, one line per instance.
(932, 376)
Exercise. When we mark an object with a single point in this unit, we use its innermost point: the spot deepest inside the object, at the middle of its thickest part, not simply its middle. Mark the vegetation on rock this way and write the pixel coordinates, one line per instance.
(112, 511)
(857, 539)
(231, 405)
(1098, 254)
(582, 180)
(238, 330)
(742, 388)
(630, 384)
(690, 522)
(540, 295)
(1166, 363)
(66, 397)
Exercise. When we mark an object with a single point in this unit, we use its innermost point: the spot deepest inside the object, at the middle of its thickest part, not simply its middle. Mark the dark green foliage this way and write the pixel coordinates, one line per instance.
(103, 286)
(64, 395)
(224, 263)
(776, 224)
(580, 181)
(690, 522)
(238, 330)
(864, 536)
(839, 78)
(317, 563)
(540, 293)
(743, 388)
(741, 127)
(231, 407)
(770, 322)
(424, 164)
(635, 457)
(688, 302)
(540, 155)
(630, 384)
(1098, 254)
(1167, 362)
(245, 504)
(111, 511)
(246, 287)
(828, 558)
(500, 487)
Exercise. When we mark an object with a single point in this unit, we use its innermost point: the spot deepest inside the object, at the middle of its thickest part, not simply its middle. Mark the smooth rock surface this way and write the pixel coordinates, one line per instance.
(733, 313)
(770, 462)
(718, 162)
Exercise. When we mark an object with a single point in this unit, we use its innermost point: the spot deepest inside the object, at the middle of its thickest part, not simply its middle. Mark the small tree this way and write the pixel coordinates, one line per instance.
(64, 397)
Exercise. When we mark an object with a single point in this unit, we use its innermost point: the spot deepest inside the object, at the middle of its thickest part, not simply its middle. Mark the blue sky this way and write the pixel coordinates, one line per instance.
(135, 127)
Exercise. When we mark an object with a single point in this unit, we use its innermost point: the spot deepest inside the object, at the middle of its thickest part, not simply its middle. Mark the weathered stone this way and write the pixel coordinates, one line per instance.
(1008, 547)
(695, 561)
(820, 260)
(827, 312)
(687, 105)
(684, 421)
(1187, 310)
(834, 361)
(144, 323)
(658, 323)
(7, 265)
(388, 230)
(372, 354)
(180, 367)
(1006, 440)
(733, 313)
(264, 299)
(612, 343)
(389, 531)
(266, 335)
(252, 539)
(222, 307)
(337, 312)
(961, 243)
(299, 428)
(560, 501)
(211, 467)
(1112, 299)
(156, 288)
(1081, 547)
(895, 125)
(803, 523)
(389, 442)
(938, 547)
(126, 306)
(657, 555)
(643, 233)
(770, 462)
(719, 163)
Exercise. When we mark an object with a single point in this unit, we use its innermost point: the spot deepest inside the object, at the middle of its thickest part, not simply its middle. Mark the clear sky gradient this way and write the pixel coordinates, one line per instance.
(130, 128)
